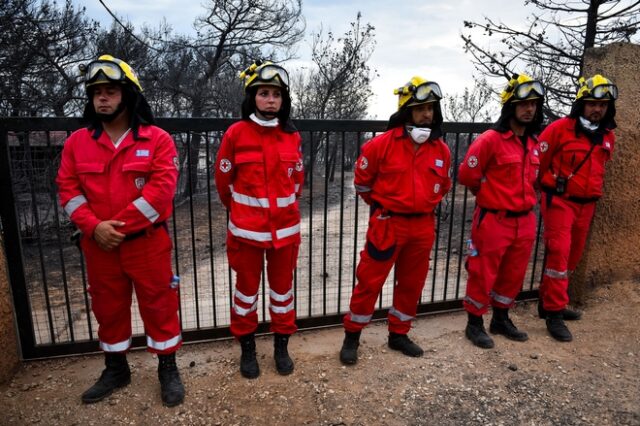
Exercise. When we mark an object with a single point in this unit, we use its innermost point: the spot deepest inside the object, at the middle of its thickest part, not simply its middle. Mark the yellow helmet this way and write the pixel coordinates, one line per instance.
(597, 88)
(418, 91)
(265, 74)
(108, 69)
(521, 87)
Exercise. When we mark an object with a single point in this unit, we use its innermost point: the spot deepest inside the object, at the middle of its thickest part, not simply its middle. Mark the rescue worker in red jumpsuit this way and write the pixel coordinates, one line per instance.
(116, 181)
(259, 175)
(573, 154)
(501, 168)
(402, 174)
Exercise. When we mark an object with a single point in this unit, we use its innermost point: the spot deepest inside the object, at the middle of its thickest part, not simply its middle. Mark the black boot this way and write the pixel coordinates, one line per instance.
(476, 333)
(171, 387)
(567, 314)
(249, 367)
(349, 351)
(284, 363)
(116, 375)
(401, 342)
(502, 324)
(557, 328)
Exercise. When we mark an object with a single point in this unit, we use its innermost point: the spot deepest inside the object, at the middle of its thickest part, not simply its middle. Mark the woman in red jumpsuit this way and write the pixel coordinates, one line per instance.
(259, 175)
(402, 174)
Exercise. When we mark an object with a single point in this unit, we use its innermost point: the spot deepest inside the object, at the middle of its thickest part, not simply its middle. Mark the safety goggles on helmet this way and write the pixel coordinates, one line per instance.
(529, 90)
(265, 74)
(110, 70)
(107, 69)
(605, 91)
(415, 94)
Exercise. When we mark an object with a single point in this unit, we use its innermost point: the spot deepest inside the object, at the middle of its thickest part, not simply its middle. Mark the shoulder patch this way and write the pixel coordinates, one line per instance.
(225, 165)
(472, 161)
(544, 146)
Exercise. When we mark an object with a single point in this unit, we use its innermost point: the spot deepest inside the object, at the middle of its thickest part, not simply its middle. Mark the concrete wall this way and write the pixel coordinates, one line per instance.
(613, 249)
(9, 359)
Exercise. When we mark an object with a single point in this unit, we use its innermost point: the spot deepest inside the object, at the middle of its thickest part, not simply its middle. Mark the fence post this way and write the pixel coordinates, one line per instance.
(9, 360)
(613, 249)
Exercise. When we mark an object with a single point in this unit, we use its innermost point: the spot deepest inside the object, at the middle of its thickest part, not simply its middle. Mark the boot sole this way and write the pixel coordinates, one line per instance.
(98, 399)
(508, 336)
(173, 404)
(409, 354)
(249, 375)
(487, 345)
(284, 372)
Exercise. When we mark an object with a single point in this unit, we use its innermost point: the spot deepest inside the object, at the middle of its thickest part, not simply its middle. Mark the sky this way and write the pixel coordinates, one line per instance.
(413, 37)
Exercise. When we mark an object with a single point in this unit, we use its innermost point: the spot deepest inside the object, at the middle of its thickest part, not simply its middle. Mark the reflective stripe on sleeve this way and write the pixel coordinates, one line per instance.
(361, 319)
(362, 188)
(281, 309)
(401, 316)
(286, 201)
(287, 232)
(146, 209)
(116, 347)
(555, 274)
(246, 299)
(500, 298)
(167, 344)
(281, 297)
(263, 236)
(74, 203)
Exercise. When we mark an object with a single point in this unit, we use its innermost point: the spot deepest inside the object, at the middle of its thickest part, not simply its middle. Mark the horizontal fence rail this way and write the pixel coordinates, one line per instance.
(47, 271)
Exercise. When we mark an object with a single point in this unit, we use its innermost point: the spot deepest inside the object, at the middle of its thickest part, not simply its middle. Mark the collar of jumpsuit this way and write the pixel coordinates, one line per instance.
(264, 123)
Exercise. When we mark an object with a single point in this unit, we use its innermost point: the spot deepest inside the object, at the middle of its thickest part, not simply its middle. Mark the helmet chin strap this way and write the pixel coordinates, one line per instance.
(267, 114)
(108, 118)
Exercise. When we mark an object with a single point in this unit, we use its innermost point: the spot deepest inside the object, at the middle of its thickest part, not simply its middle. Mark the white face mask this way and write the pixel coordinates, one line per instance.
(419, 134)
(589, 125)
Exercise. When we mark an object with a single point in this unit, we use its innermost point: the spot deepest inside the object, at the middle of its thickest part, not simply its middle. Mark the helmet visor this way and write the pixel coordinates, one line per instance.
(605, 91)
(426, 91)
(529, 89)
(110, 70)
(269, 72)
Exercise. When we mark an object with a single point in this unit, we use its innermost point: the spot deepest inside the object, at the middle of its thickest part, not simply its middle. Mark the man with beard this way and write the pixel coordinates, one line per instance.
(402, 174)
(573, 153)
(500, 169)
(116, 181)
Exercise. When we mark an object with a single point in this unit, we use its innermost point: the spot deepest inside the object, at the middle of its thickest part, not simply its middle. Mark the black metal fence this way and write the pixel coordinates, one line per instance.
(47, 272)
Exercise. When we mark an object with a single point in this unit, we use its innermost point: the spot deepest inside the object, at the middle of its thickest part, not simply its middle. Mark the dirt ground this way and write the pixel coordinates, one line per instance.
(590, 381)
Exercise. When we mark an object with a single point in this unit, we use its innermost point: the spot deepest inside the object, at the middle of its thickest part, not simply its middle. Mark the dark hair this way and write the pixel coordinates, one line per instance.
(249, 107)
(403, 116)
(509, 111)
(136, 104)
(608, 122)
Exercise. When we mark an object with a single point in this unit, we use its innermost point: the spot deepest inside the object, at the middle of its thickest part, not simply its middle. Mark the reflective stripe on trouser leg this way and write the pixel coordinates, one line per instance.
(371, 276)
(559, 219)
(246, 261)
(111, 293)
(412, 266)
(492, 239)
(515, 261)
(280, 265)
(148, 262)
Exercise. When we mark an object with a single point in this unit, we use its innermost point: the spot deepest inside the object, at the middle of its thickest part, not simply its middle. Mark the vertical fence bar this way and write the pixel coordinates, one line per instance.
(210, 233)
(15, 261)
(325, 221)
(340, 238)
(311, 221)
(194, 256)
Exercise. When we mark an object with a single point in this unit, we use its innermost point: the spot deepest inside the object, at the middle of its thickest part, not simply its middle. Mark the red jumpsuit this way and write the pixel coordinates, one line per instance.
(403, 185)
(501, 172)
(259, 174)
(567, 217)
(134, 183)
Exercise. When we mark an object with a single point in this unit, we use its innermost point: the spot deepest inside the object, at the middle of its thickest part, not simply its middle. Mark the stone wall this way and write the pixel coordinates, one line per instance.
(613, 248)
(9, 360)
